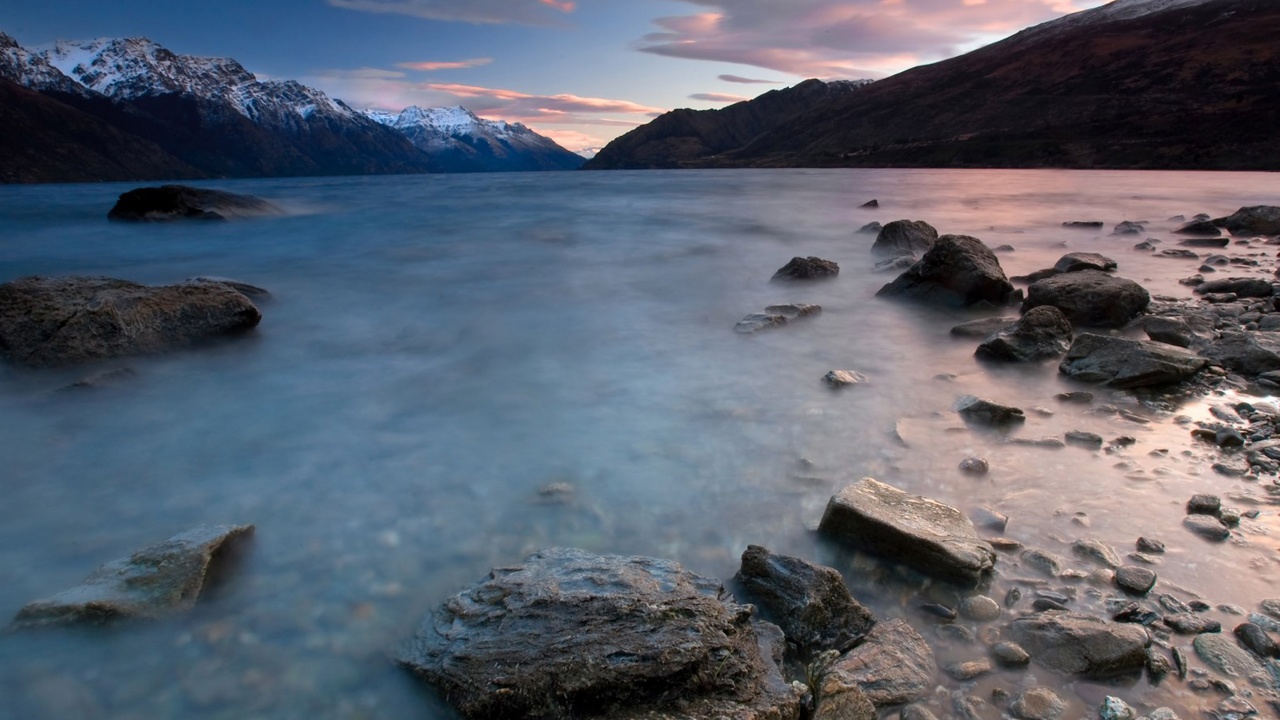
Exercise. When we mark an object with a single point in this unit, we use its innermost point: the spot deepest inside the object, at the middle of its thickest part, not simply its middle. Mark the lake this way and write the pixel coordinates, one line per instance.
(455, 371)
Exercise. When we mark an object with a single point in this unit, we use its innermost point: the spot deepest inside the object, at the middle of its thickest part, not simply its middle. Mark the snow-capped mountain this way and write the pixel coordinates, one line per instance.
(490, 144)
(1111, 12)
(33, 70)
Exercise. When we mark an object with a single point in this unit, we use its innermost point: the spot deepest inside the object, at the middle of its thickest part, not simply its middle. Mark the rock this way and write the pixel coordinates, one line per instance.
(931, 537)
(985, 412)
(894, 665)
(159, 580)
(1097, 551)
(872, 203)
(1035, 276)
(1128, 227)
(1045, 562)
(964, 671)
(1113, 708)
(1199, 227)
(1256, 220)
(1124, 363)
(775, 315)
(1081, 438)
(1204, 504)
(179, 202)
(850, 704)
(1222, 654)
(810, 268)
(1009, 654)
(810, 602)
(1077, 261)
(1256, 640)
(982, 327)
(1207, 527)
(1247, 353)
(979, 608)
(1206, 242)
(1271, 606)
(1158, 665)
(570, 632)
(1191, 624)
(916, 712)
(844, 378)
(989, 519)
(904, 237)
(974, 466)
(1077, 644)
(1076, 396)
(1181, 254)
(1170, 331)
(1037, 704)
(1043, 333)
(48, 322)
(896, 264)
(103, 380)
(1003, 248)
(1135, 580)
(1238, 286)
(1148, 545)
(957, 271)
(871, 228)
(1090, 297)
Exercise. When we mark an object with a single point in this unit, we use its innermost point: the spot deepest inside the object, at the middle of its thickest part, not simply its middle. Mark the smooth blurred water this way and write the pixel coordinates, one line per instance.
(439, 348)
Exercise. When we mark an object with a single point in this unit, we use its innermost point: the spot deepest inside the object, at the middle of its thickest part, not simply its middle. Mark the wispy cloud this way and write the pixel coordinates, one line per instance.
(431, 66)
(366, 73)
(546, 103)
(747, 81)
(481, 12)
(718, 97)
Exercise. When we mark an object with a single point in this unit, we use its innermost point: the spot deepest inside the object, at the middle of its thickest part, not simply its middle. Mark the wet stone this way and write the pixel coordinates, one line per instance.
(1043, 561)
(968, 670)
(1097, 551)
(1135, 580)
(893, 665)
(1191, 624)
(1008, 654)
(1256, 640)
(979, 608)
(916, 712)
(1084, 645)
(810, 268)
(1271, 606)
(844, 378)
(1158, 664)
(989, 519)
(1081, 438)
(1223, 655)
(986, 412)
(1207, 526)
(974, 466)
(1076, 396)
(1113, 708)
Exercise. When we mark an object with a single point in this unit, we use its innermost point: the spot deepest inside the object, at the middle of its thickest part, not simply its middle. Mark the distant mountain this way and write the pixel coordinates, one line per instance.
(686, 137)
(1134, 84)
(459, 141)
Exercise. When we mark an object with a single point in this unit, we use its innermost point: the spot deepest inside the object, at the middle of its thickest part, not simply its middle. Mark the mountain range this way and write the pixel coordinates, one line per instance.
(1134, 84)
(129, 109)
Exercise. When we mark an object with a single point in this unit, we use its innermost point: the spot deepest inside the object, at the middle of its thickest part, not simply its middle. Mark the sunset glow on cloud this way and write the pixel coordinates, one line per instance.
(454, 65)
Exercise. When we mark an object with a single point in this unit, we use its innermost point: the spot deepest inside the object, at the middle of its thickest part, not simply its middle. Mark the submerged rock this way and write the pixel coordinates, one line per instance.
(982, 327)
(1203, 228)
(1043, 333)
(933, 538)
(810, 268)
(1077, 261)
(904, 237)
(894, 665)
(811, 602)
(774, 316)
(1124, 363)
(1084, 645)
(985, 412)
(161, 579)
(1128, 227)
(1170, 331)
(1239, 286)
(569, 633)
(957, 271)
(1256, 220)
(1222, 654)
(1090, 297)
(844, 378)
(49, 322)
(179, 202)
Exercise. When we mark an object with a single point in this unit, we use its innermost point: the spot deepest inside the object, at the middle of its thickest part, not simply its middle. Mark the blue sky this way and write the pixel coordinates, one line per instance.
(580, 71)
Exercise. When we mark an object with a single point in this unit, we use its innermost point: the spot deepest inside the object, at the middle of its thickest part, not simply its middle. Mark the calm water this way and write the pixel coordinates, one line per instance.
(439, 348)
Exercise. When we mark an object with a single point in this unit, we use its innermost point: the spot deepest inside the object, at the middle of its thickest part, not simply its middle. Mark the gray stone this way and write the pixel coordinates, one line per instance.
(1191, 624)
(1043, 333)
(1008, 654)
(811, 603)
(810, 268)
(915, 712)
(957, 271)
(1256, 640)
(47, 322)
(1247, 353)
(1206, 242)
(849, 704)
(974, 466)
(1239, 286)
(982, 327)
(1223, 655)
(986, 412)
(1113, 708)
(159, 580)
(1090, 297)
(569, 632)
(964, 671)
(844, 378)
(1203, 228)
(1206, 526)
(1204, 504)
(1271, 606)
(1256, 220)
(1170, 331)
(774, 316)
(1077, 261)
(1135, 580)
(904, 237)
(1082, 438)
(1096, 550)
(1084, 645)
(979, 608)
(1128, 227)
(1037, 704)
(933, 538)
(1124, 363)
(179, 202)
(871, 228)
(1045, 562)
(894, 665)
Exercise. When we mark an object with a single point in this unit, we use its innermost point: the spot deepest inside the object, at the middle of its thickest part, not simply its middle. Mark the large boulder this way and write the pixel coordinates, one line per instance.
(1241, 286)
(810, 268)
(1077, 644)
(810, 602)
(1247, 353)
(1124, 363)
(571, 634)
(933, 538)
(159, 580)
(957, 271)
(904, 237)
(179, 202)
(1043, 333)
(894, 665)
(1090, 297)
(1256, 220)
(46, 322)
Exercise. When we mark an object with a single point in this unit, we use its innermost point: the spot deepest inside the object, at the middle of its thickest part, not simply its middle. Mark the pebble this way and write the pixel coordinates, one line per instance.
(916, 712)
(1190, 624)
(1045, 562)
(974, 466)
(968, 670)
(1173, 604)
(1256, 639)
(937, 610)
(1134, 579)
(1096, 550)
(1037, 704)
(989, 519)
(1113, 708)
(1084, 439)
(1157, 664)
(954, 633)
(1204, 505)
(1008, 654)
(1207, 526)
(1078, 396)
(1043, 604)
(980, 608)
(1148, 545)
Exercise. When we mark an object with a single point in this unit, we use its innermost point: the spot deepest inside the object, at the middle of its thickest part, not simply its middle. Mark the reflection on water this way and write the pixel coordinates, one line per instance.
(438, 349)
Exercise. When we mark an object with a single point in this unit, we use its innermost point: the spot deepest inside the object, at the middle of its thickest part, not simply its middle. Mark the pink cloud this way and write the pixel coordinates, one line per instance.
(431, 66)
(555, 103)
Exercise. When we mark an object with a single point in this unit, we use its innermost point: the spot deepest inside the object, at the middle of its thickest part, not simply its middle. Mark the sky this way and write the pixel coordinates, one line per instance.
(579, 71)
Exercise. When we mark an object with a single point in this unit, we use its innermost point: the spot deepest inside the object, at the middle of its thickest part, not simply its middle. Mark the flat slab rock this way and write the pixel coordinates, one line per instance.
(1125, 363)
(934, 538)
(775, 316)
(161, 579)
(571, 634)
(1076, 644)
(49, 322)
(180, 202)
(894, 665)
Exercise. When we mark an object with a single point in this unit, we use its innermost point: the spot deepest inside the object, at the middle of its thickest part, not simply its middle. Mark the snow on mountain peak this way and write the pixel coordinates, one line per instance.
(31, 70)
(456, 127)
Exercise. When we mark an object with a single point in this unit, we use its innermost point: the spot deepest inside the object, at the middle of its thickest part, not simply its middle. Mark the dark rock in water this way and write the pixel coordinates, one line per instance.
(871, 228)
(916, 712)
(1170, 331)
(1084, 224)
(1247, 353)
(1148, 545)
(1090, 297)
(1204, 504)
(1097, 551)
(1213, 242)
(1076, 396)
(179, 202)
(1037, 704)
(1158, 665)
(1180, 254)
(253, 292)
(47, 322)
(872, 203)
(1222, 654)
(1035, 276)
(933, 538)
(1191, 624)
(161, 579)
(899, 263)
(964, 671)
(811, 602)
(938, 610)
(773, 316)
(102, 380)
(1043, 561)
(569, 633)
(1084, 439)
(975, 466)
(1008, 654)
(957, 271)
(1077, 261)
(982, 327)
(1128, 227)
(985, 412)
(894, 665)
(989, 519)
(810, 268)
(1256, 640)
(844, 378)
(1206, 526)
(1077, 644)
(1238, 286)
(1135, 580)
(1003, 248)
(1256, 220)
(1202, 228)
(1043, 333)
(1146, 245)
(979, 608)
(1124, 363)
(905, 237)
(1135, 613)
